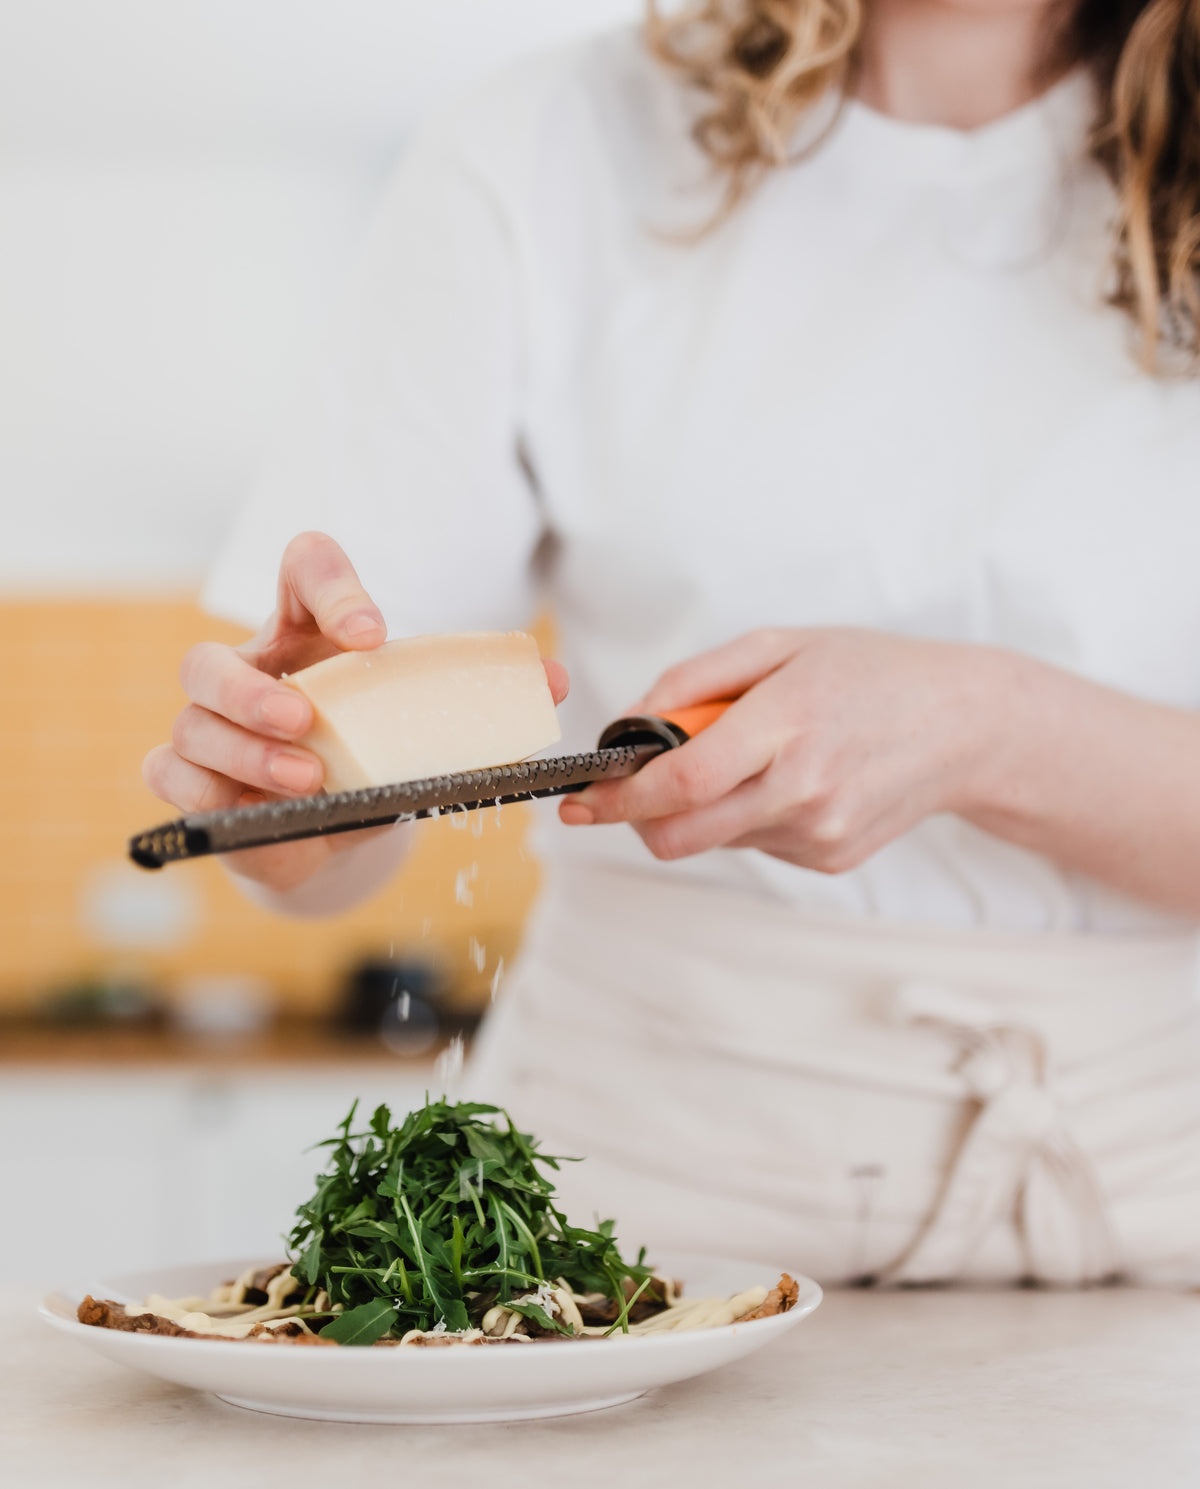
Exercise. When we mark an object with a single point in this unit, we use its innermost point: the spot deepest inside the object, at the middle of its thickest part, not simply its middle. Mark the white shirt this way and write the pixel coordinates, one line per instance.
(887, 393)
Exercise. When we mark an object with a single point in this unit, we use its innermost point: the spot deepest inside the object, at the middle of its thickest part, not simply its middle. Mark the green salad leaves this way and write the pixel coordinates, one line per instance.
(435, 1220)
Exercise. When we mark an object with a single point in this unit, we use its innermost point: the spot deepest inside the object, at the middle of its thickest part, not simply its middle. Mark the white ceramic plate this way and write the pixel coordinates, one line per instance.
(417, 1385)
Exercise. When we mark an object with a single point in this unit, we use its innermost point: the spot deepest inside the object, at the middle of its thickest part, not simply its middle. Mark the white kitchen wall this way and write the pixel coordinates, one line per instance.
(128, 1168)
(181, 185)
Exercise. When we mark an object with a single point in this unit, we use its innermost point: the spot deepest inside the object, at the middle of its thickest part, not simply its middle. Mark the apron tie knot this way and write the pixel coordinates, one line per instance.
(1017, 1161)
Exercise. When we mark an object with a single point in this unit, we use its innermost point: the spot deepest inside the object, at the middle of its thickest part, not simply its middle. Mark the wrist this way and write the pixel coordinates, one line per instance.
(280, 868)
(1005, 706)
(336, 875)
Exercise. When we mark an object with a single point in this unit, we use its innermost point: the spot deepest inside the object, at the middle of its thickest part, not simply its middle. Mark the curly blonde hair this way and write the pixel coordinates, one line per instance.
(765, 63)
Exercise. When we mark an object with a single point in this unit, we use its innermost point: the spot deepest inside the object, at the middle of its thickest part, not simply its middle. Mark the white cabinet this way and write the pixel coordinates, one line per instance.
(108, 1171)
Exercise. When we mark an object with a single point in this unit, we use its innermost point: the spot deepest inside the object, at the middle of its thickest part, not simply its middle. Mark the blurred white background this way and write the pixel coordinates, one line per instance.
(181, 185)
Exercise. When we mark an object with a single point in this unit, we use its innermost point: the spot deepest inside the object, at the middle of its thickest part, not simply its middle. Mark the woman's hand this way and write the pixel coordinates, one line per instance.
(839, 742)
(236, 742)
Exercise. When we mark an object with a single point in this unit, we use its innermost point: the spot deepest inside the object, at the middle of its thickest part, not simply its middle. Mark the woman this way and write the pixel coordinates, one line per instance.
(795, 356)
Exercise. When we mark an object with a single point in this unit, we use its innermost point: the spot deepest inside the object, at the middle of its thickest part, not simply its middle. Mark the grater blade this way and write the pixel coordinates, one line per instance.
(204, 833)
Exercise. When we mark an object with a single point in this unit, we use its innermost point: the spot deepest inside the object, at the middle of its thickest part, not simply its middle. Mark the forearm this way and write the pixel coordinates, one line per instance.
(1094, 779)
(342, 880)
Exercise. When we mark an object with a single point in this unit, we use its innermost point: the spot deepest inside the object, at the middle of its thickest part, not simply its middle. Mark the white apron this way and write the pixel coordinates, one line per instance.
(858, 1101)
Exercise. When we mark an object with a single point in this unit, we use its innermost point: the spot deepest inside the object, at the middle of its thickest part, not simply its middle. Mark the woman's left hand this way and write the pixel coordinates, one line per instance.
(839, 742)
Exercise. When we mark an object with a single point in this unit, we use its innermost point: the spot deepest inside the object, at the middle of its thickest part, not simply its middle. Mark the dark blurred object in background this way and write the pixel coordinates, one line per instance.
(404, 1001)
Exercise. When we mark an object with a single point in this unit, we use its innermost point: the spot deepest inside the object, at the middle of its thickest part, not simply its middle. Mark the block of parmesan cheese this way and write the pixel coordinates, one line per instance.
(427, 706)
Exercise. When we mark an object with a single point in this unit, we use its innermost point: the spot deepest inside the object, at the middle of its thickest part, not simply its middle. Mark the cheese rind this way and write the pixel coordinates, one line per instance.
(427, 706)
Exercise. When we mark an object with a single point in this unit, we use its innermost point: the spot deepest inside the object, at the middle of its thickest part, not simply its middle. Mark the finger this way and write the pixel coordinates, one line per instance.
(709, 766)
(318, 583)
(727, 823)
(556, 676)
(218, 679)
(828, 840)
(726, 672)
(830, 845)
(189, 787)
(214, 743)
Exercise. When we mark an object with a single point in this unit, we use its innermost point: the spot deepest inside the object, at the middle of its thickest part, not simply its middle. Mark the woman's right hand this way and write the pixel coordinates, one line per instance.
(235, 742)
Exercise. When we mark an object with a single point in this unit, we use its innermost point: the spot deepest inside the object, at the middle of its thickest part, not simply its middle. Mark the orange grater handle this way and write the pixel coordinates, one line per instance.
(667, 730)
(699, 716)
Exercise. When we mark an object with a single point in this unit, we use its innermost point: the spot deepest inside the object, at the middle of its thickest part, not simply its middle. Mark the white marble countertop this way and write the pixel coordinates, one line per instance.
(933, 1390)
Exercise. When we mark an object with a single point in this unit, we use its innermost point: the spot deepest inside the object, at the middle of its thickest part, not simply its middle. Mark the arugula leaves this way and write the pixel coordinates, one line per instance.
(439, 1218)
(361, 1325)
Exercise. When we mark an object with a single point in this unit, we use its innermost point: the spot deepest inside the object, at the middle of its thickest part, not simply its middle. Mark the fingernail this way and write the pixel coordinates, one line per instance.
(575, 814)
(292, 772)
(360, 624)
(284, 712)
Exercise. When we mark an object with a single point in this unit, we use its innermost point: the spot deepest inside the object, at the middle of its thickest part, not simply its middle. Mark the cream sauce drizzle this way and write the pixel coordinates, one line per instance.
(558, 1301)
(700, 1313)
(225, 1313)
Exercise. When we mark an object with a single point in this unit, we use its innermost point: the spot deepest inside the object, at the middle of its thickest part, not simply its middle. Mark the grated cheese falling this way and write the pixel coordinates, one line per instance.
(463, 880)
(448, 1066)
